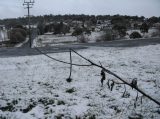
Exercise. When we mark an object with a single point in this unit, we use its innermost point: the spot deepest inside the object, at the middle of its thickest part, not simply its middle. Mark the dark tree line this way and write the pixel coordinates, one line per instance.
(56, 24)
(50, 18)
(56, 28)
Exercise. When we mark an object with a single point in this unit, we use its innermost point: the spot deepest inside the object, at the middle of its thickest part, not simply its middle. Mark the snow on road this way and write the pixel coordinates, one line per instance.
(35, 87)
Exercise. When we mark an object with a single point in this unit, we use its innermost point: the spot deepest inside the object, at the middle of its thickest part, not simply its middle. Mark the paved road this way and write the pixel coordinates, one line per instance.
(25, 51)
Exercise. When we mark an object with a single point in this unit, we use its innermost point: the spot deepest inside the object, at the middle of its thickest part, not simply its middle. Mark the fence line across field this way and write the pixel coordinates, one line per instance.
(133, 84)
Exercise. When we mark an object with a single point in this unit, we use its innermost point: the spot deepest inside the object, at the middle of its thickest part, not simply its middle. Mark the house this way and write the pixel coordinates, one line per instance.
(3, 33)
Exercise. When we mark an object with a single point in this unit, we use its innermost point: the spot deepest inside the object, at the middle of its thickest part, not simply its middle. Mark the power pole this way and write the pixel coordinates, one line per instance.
(29, 4)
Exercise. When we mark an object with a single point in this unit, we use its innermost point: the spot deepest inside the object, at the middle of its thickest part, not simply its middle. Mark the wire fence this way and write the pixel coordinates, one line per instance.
(133, 84)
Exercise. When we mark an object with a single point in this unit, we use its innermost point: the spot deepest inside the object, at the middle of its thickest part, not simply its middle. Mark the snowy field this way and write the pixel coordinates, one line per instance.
(53, 40)
(150, 33)
(35, 87)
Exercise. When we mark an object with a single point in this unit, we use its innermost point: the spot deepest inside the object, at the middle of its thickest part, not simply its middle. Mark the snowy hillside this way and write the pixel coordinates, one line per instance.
(35, 87)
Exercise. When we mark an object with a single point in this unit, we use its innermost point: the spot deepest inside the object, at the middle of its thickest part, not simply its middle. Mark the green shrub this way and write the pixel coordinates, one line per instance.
(135, 35)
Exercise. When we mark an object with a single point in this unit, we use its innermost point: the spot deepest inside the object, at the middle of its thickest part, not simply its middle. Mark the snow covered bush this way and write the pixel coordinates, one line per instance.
(82, 38)
(155, 34)
(135, 35)
(144, 28)
(78, 31)
(121, 29)
(17, 35)
(107, 36)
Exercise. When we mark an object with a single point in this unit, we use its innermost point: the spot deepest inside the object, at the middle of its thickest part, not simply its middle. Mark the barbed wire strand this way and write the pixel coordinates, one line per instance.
(60, 60)
(106, 70)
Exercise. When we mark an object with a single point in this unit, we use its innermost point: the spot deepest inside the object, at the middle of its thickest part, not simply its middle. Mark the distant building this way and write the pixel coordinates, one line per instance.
(3, 33)
(2, 27)
(32, 26)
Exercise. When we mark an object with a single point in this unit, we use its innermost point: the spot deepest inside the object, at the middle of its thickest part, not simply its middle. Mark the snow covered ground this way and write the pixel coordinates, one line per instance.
(53, 40)
(35, 87)
(150, 33)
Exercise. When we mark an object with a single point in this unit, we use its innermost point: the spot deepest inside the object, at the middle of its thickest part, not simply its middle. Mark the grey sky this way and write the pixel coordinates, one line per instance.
(147, 8)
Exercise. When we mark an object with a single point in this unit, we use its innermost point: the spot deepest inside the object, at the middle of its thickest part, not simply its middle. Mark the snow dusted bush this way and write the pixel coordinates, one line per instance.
(17, 35)
(70, 90)
(135, 35)
(155, 34)
(107, 36)
(82, 38)
(78, 31)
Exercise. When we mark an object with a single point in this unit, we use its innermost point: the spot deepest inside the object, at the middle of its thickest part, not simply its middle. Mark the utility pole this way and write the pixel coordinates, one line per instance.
(29, 4)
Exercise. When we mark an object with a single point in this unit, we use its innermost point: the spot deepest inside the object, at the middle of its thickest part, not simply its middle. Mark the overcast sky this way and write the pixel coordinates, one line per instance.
(147, 8)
